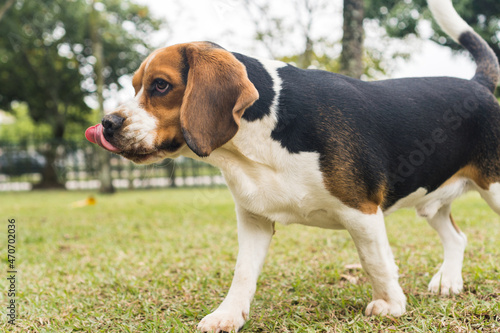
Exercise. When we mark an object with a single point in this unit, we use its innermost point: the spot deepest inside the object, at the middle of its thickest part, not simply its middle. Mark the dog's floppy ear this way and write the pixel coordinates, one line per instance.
(217, 93)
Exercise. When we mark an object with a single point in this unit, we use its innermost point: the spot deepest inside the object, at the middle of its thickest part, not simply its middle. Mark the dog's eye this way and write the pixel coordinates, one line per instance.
(160, 86)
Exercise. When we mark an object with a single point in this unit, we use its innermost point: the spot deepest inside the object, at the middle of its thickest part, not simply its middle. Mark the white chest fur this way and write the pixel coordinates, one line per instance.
(288, 191)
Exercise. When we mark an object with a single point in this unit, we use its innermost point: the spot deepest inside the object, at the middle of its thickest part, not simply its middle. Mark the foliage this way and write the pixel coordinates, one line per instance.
(322, 52)
(401, 18)
(125, 29)
(23, 129)
(31, 69)
(46, 58)
(318, 61)
(158, 261)
(372, 60)
(274, 30)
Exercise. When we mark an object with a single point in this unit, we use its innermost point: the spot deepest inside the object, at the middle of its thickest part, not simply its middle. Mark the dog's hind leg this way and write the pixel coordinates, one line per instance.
(491, 196)
(449, 277)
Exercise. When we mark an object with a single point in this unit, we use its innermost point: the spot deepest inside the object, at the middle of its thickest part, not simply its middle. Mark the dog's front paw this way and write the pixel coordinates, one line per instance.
(223, 321)
(382, 307)
(446, 284)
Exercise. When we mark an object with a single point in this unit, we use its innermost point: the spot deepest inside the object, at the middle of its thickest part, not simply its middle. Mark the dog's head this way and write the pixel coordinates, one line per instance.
(190, 94)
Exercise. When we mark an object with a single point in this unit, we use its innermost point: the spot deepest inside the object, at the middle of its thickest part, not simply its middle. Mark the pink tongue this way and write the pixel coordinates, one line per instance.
(94, 134)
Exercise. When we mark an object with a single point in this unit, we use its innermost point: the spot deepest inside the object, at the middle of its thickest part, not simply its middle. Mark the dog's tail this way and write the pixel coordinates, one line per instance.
(488, 70)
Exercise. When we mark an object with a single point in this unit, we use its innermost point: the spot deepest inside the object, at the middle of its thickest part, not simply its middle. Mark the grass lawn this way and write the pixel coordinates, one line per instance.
(160, 260)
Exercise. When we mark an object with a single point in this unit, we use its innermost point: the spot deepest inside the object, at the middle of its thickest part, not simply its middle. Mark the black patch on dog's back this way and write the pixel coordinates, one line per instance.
(263, 82)
(402, 134)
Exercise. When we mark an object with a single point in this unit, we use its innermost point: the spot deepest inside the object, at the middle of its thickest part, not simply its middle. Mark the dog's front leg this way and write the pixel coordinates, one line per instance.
(369, 235)
(254, 237)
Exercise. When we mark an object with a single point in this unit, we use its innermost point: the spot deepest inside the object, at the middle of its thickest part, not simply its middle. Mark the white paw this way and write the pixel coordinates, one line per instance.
(446, 284)
(381, 307)
(223, 321)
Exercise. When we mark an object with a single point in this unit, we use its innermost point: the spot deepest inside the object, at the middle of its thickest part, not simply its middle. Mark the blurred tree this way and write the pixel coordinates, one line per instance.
(351, 58)
(95, 24)
(273, 31)
(47, 59)
(22, 129)
(5, 7)
(398, 18)
(401, 18)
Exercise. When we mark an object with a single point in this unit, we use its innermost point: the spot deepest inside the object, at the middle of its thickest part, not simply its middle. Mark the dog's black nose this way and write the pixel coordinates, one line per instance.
(111, 123)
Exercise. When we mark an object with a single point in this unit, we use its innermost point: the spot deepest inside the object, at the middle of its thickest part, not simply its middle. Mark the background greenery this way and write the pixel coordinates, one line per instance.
(158, 261)
(59, 60)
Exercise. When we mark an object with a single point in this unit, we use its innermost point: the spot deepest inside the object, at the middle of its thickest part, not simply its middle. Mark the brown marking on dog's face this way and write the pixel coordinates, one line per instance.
(194, 94)
(164, 65)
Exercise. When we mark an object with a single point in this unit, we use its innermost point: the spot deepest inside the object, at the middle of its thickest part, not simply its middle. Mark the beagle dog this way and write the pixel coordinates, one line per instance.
(320, 149)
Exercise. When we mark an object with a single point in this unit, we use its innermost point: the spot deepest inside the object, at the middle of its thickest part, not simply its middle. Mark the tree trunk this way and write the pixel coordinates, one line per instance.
(104, 156)
(305, 59)
(50, 177)
(351, 58)
(170, 168)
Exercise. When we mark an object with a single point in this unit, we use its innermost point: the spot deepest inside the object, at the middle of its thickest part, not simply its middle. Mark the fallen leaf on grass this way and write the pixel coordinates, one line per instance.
(90, 201)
